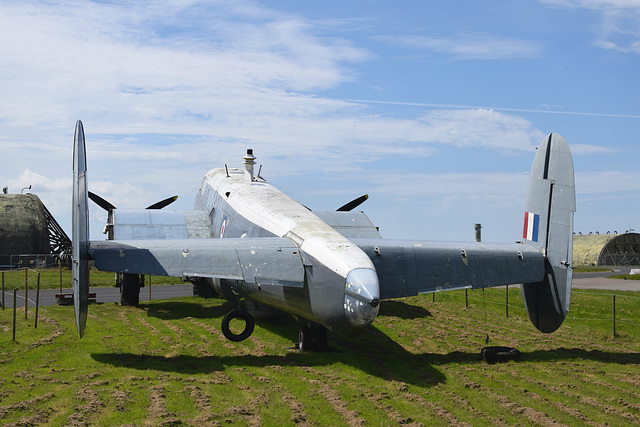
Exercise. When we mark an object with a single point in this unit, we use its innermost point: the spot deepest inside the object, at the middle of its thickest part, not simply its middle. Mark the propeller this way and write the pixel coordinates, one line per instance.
(162, 203)
(107, 206)
(101, 202)
(352, 204)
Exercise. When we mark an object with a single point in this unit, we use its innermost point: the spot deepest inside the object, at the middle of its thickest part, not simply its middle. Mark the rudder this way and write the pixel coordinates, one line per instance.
(548, 226)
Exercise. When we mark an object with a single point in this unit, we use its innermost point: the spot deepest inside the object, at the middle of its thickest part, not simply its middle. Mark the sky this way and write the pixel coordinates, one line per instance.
(434, 109)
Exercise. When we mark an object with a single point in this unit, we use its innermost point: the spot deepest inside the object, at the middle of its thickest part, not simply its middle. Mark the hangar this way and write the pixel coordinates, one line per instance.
(29, 234)
(606, 249)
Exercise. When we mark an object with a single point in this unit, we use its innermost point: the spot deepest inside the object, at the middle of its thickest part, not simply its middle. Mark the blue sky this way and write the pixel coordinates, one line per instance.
(432, 108)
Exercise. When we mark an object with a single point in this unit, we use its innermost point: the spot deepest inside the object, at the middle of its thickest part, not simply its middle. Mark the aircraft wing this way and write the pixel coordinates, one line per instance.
(265, 260)
(407, 268)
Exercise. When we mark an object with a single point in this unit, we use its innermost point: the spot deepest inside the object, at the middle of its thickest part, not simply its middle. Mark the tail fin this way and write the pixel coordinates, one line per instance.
(548, 226)
(80, 231)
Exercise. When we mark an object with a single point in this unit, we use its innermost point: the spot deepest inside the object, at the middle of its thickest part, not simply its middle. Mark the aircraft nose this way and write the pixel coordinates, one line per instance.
(361, 297)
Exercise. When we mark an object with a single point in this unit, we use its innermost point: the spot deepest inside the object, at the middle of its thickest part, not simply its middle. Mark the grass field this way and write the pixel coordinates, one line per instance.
(167, 363)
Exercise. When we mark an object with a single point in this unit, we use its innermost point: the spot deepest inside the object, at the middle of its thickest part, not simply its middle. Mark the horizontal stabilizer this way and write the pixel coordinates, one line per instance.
(407, 268)
(265, 260)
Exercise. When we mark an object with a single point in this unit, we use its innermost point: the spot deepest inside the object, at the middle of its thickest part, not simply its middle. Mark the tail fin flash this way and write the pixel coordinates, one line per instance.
(80, 231)
(548, 226)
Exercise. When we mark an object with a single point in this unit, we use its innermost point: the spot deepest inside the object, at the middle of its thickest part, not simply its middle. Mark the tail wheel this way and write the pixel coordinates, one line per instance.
(492, 355)
(248, 328)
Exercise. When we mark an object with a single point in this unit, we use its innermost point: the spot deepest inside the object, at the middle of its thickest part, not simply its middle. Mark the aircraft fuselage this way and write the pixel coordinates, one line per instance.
(340, 289)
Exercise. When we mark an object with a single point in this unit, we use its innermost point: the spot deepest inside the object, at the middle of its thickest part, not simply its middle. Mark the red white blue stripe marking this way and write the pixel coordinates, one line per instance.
(531, 225)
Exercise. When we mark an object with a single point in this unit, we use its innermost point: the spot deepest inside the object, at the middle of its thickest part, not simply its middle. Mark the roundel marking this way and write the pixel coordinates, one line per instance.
(224, 225)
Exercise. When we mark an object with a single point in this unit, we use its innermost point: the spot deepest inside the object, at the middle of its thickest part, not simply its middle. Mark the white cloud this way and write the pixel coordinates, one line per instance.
(469, 46)
(466, 185)
(585, 149)
(608, 183)
(170, 90)
(244, 74)
(486, 128)
(53, 58)
(619, 28)
(595, 4)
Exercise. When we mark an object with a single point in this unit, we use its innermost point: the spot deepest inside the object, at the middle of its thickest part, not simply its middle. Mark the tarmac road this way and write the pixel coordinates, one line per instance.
(599, 281)
(107, 294)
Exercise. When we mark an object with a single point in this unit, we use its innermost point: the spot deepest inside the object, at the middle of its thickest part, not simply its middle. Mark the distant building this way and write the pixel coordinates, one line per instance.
(606, 249)
(29, 233)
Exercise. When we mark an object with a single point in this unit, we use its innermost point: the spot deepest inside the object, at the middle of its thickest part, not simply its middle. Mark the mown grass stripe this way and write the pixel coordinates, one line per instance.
(415, 348)
(588, 401)
(506, 402)
(546, 395)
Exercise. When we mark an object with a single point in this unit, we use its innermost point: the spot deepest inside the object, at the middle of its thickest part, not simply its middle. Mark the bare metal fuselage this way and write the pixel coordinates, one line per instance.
(339, 289)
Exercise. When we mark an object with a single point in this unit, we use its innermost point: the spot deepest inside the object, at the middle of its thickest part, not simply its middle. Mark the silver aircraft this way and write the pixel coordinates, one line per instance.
(261, 250)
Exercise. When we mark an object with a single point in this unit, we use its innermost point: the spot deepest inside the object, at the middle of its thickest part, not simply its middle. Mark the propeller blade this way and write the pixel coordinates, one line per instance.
(101, 202)
(353, 204)
(162, 203)
(80, 231)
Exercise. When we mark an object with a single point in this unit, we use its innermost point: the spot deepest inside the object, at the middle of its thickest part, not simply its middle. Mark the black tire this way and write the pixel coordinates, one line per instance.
(496, 354)
(248, 329)
(202, 288)
(313, 337)
(130, 289)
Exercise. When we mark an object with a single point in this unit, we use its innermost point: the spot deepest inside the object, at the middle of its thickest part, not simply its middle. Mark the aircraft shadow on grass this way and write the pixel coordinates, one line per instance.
(170, 310)
(372, 351)
(389, 361)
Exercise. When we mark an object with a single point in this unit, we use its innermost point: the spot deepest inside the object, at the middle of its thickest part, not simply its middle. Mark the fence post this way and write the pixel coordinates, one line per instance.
(26, 291)
(14, 314)
(3, 290)
(149, 286)
(466, 298)
(506, 300)
(614, 315)
(37, 300)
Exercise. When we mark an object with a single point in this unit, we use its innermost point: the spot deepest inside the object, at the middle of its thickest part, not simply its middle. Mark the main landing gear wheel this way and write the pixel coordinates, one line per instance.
(130, 289)
(313, 337)
(248, 329)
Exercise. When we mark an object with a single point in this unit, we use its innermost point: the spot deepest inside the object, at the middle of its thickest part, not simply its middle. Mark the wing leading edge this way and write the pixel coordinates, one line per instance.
(407, 268)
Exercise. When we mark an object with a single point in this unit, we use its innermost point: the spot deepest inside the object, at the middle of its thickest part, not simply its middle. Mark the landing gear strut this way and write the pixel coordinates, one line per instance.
(313, 337)
(248, 329)
(130, 288)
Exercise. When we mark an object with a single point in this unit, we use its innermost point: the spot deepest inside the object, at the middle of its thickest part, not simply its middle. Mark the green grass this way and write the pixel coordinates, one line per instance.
(625, 276)
(588, 269)
(50, 278)
(166, 362)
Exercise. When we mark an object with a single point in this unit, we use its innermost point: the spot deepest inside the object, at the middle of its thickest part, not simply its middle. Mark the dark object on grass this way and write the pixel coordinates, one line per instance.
(492, 355)
(248, 329)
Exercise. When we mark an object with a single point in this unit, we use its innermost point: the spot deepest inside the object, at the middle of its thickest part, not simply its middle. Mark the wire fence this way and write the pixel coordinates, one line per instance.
(624, 309)
(19, 261)
(35, 275)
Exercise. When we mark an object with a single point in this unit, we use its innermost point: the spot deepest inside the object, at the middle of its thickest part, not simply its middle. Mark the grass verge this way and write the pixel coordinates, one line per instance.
(167, 363)
(52, 278)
